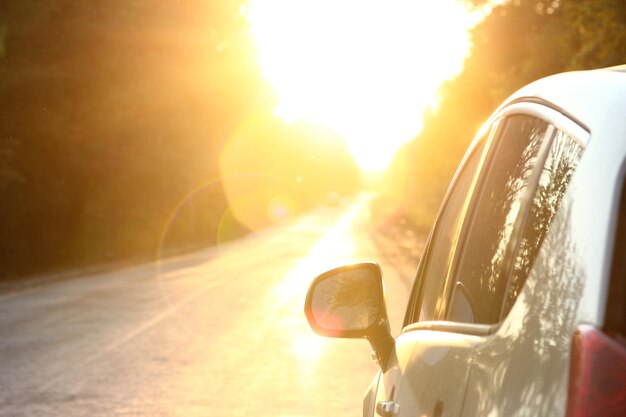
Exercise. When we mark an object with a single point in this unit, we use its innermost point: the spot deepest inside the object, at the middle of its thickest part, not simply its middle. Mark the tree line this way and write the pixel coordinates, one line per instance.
(114, 118)
(518, 42)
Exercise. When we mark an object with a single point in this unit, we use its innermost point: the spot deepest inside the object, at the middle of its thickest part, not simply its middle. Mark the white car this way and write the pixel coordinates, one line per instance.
(519, 302)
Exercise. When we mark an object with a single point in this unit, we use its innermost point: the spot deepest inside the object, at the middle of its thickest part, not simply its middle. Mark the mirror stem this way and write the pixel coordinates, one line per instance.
(382, 343)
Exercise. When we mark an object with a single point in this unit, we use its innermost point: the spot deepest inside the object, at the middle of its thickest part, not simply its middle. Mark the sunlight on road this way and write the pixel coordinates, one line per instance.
(334, 249)
(246, 322)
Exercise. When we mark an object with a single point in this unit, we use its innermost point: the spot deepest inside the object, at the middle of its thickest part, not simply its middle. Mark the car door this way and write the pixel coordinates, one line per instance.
(457, 299)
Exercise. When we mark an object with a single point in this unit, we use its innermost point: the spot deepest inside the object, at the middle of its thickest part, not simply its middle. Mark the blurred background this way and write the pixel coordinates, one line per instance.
(128, 126)
(173, 174)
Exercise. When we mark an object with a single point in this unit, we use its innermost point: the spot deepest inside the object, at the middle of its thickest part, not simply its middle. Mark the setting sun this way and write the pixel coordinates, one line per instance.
(366, 70)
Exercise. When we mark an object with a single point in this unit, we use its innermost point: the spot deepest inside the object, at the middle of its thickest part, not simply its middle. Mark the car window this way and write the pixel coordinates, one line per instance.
(445, 236)
(481, 275)
(557, 171)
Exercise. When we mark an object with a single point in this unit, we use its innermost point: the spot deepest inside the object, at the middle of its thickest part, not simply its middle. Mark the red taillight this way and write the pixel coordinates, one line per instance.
(597, 384)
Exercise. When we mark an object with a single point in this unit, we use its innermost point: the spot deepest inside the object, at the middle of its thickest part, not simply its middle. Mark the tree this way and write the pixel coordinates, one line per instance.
(518, 42)
(109, 116)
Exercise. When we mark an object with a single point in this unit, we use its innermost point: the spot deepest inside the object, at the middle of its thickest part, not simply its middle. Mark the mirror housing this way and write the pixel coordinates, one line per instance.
(349, 302)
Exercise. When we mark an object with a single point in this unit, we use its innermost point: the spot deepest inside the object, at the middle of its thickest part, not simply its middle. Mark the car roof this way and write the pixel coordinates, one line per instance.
(589, 97)
(618, 68)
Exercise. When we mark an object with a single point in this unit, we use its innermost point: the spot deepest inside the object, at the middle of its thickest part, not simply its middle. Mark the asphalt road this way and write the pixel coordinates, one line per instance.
(217, 333)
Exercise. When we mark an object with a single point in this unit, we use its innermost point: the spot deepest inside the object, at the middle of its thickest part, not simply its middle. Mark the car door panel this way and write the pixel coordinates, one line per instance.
(522, 369)
(432, 368)
(428, 373)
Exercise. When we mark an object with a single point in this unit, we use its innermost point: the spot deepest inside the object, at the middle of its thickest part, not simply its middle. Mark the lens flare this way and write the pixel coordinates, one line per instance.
(281, 209)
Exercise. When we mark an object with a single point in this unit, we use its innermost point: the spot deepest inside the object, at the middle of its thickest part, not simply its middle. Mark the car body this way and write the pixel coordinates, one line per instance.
(519, 302)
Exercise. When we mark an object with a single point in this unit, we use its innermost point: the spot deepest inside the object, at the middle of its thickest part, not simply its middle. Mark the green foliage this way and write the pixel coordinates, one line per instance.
(111, 115)
(519, 42)
(599, 37)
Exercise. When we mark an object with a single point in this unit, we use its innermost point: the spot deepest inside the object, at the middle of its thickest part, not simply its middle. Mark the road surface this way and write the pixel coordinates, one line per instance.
(217, 333)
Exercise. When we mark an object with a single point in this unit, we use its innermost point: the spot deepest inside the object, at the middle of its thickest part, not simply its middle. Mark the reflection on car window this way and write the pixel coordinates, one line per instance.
(444, 240)
(555, 177)
(482, 269)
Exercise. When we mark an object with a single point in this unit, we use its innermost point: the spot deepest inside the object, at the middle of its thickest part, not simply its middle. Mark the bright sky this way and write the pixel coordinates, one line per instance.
(365, 69)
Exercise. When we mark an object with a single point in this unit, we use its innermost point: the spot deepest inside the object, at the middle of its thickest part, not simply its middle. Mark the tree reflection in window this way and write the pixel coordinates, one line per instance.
(482, 268)
(555, 177)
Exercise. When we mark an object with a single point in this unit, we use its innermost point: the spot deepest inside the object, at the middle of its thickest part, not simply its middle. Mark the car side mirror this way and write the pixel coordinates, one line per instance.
(349, 302)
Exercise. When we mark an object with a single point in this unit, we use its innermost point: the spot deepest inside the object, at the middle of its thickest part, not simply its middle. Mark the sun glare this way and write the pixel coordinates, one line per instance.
(365, 69)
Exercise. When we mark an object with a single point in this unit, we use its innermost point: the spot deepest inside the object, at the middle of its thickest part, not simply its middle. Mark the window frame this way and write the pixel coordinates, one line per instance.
(414, 305)
(512, 245)
(557, 121)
